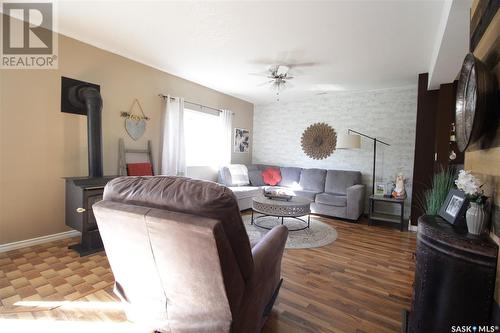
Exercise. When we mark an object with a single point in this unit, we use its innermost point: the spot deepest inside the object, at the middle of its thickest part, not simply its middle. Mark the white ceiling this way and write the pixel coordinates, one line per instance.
(349, 45)
(452, 44)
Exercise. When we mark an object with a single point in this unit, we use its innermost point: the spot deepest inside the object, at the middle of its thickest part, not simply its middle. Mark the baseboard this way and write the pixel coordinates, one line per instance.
(38, 240)
(412, 228)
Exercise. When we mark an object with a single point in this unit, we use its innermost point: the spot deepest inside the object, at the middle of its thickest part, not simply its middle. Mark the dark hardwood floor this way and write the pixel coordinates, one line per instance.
(359, 283)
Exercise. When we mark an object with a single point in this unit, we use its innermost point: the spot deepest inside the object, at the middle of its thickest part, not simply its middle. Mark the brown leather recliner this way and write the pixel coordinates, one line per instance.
(181, 256)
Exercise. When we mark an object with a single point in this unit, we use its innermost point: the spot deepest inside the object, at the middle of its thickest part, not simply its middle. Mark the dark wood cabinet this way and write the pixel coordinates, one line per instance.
(454, 278)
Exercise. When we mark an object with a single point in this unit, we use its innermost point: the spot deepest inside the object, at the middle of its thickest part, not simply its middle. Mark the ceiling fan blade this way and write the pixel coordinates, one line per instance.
(259, 74)
(269, 82)
(302, 64)
(263, 61)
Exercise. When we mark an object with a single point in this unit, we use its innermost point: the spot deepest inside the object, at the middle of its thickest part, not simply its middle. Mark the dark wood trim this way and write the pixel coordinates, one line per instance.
(425, 137)
(444, 119)
(446, 102)
(483, 15)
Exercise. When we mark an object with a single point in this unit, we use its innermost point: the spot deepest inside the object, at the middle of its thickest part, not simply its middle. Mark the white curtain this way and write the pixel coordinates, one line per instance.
(226, 118)
(173, 155)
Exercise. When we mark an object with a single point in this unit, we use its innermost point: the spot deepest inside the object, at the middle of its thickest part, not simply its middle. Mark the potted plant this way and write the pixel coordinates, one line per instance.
(476, 214)
(442, 183)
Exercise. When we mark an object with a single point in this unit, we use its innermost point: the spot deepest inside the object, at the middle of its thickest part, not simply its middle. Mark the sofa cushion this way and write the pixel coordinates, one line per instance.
(312, 180)
(251, 167)
(235, 175)
(337, 181)
(331, 199)
(290, 177)
(306, 194)
(243, 192)
(271, 176)
(255, 177)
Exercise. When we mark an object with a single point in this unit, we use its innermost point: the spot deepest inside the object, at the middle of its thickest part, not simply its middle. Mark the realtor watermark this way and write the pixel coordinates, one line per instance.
(474, 329)
(28, 38)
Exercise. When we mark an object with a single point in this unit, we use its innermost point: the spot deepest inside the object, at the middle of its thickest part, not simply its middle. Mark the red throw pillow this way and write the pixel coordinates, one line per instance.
(139, 169)
(271, 176)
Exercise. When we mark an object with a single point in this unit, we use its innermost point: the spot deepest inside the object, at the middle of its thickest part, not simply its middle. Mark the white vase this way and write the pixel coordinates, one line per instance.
(475, 217)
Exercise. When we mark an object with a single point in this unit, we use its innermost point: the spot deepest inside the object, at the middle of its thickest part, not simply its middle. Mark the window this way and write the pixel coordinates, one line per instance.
(203, 138)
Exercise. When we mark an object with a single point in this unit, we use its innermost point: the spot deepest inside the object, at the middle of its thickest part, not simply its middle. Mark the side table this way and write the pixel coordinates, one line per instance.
(376, 216)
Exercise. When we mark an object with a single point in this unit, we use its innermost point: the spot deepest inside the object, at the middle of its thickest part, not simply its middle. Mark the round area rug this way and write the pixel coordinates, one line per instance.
(317, 235)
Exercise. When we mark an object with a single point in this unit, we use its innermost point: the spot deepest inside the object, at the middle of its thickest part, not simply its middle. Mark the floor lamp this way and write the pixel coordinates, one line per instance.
(353, 141)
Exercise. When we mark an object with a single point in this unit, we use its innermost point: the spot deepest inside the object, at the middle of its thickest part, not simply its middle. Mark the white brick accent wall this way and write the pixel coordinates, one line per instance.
(388, 114)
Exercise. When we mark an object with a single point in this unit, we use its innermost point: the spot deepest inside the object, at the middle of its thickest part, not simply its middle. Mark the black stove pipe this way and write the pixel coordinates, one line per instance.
(89, 98)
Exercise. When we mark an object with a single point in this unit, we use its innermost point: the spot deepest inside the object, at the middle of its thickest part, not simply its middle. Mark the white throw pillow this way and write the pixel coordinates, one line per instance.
(236, 175)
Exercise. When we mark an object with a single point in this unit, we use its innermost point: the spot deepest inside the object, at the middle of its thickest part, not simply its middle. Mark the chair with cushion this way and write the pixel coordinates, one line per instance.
(181, 257)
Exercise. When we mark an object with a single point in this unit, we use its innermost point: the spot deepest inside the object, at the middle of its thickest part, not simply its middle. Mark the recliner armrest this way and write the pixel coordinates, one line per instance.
(267, 255)
(355, 201)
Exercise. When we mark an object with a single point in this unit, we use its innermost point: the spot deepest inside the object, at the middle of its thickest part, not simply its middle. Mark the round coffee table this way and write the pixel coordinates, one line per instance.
(294, 208)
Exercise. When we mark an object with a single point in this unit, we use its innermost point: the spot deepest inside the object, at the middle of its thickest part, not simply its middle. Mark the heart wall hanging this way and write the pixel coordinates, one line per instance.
(135, 122)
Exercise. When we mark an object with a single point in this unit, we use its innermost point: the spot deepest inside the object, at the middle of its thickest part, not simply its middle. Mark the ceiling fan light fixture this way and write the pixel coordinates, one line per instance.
(282, 70)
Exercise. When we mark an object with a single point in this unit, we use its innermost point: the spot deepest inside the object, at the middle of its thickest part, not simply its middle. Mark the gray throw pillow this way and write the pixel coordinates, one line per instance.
(290, 177)
(313, 180)
(255, 177)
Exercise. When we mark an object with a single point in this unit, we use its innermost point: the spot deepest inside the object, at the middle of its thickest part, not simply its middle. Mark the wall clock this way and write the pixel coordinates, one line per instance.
(475, 102)
(318, 141)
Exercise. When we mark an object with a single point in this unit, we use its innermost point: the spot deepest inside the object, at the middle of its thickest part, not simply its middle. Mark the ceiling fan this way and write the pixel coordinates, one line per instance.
(279, 75)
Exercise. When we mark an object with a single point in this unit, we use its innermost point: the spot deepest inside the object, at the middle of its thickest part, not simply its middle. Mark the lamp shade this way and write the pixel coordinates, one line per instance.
(348, 141)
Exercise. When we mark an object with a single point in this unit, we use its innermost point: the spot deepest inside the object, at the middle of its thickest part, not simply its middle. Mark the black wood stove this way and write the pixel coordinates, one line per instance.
(84, 98)
(81, 194)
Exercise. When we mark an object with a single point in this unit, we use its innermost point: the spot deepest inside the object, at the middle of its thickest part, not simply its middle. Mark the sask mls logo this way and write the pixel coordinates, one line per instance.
(474, 329)
(28, 40)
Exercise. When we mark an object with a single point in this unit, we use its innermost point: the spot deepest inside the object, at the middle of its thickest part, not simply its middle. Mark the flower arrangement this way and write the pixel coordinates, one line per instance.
(470, 185)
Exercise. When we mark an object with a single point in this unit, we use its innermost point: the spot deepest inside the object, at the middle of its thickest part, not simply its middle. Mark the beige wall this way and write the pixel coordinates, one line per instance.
(486, 163)
(39, 145)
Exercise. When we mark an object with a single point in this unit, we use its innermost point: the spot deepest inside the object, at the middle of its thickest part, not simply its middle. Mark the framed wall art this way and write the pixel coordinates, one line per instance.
(241, 140)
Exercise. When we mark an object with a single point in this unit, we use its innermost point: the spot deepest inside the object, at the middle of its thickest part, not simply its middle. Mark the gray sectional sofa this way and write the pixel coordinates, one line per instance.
(336, 193)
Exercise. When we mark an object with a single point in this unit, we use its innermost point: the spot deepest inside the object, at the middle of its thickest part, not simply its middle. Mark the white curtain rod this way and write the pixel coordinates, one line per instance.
(200, 105)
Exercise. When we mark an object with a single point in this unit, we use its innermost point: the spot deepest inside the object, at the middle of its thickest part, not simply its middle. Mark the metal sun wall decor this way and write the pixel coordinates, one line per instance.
(319, 141)
(135, 123)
